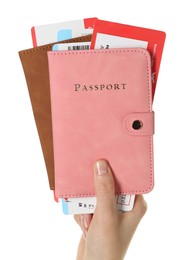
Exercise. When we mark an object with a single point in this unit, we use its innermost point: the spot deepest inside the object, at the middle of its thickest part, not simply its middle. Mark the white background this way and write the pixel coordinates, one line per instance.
(32, 225)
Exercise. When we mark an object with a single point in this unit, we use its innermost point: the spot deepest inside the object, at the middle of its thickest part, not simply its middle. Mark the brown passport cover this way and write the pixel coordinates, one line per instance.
(35, 66)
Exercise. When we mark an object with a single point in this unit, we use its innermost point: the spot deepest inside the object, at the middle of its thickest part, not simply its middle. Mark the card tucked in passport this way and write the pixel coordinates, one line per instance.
(35, 66)
(101, 103)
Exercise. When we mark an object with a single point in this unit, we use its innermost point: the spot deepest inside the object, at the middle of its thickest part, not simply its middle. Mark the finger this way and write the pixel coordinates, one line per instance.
(83, 221)
(104, 187)
(139, 209)
(140, 206)
(132, 218)
(77, 219)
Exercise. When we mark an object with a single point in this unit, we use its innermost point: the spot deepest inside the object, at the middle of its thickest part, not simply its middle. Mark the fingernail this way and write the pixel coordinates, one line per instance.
(84, 223)
(84, 226)
(84, 234)
(101, 167)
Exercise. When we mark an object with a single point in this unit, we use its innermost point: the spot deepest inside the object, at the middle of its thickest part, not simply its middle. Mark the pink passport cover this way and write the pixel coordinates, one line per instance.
(96, 96)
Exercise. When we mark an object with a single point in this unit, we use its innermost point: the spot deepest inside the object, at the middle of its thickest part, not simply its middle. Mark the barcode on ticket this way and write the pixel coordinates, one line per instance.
(71, 46)
(78, 47)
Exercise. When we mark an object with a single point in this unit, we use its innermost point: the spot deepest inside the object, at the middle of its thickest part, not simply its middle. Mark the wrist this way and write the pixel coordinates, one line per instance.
(104, 257)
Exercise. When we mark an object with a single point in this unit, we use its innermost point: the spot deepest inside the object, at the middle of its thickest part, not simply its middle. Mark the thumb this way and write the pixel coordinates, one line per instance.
(104, 187)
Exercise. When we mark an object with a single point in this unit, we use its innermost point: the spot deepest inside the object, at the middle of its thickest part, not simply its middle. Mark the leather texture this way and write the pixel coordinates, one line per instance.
(35, 66)
(96, 97)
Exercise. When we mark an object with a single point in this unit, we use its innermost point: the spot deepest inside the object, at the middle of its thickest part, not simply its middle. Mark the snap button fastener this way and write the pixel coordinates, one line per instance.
(137, 124)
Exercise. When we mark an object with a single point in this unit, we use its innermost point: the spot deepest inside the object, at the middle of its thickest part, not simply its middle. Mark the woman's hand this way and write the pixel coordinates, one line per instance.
(108, 232)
